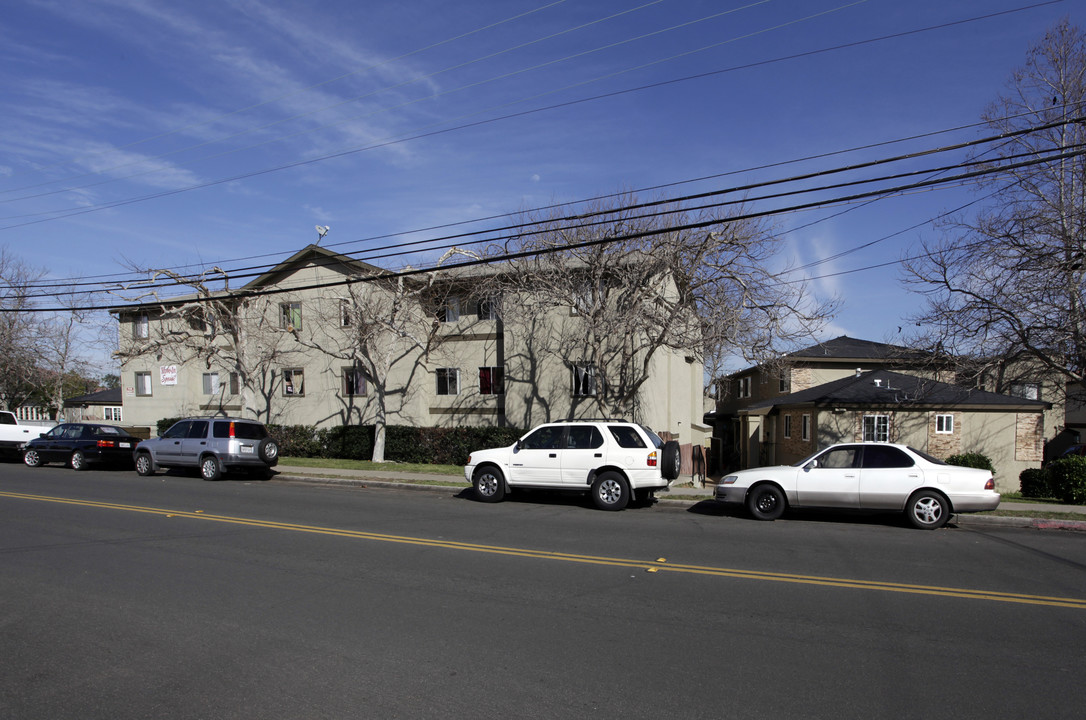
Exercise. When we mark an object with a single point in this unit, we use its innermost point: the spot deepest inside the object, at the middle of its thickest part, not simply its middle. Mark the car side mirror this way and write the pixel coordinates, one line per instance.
(811, 465)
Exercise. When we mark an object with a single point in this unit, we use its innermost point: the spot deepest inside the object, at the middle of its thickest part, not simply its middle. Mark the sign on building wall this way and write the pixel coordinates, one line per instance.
(168, 374)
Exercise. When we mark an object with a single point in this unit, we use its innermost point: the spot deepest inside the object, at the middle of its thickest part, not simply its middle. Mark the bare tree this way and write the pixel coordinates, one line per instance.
(21, 375)
(1006, 287)
(381, 330)
(216, 328)
(639, 283)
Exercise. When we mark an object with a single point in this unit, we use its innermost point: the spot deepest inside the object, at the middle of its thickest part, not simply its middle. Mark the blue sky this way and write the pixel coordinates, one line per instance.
(168, 134)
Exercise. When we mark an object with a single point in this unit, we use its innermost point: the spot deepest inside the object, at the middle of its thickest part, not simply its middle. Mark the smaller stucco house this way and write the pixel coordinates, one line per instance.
(938, 418)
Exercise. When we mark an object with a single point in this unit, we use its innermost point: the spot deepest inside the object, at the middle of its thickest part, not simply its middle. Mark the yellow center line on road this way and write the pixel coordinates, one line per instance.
(650, 565)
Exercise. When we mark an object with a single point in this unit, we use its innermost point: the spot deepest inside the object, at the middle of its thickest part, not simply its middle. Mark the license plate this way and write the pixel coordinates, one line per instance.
(246, 449)
(124, 444)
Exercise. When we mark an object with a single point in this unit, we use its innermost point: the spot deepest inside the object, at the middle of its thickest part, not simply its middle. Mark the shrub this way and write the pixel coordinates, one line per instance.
(296, 440)
(347, 442)
(165, 423)
(1035, 483)
(973, 460)
(1067, 479)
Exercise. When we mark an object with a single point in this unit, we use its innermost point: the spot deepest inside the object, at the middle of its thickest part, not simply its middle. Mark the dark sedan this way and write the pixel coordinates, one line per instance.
(80, 444)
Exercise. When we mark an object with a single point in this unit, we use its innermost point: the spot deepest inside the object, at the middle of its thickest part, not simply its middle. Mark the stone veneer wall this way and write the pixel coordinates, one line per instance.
(1029, 437)
(943, 445)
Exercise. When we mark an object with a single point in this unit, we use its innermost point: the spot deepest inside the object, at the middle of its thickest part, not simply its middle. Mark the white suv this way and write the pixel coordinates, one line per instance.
(611, 459)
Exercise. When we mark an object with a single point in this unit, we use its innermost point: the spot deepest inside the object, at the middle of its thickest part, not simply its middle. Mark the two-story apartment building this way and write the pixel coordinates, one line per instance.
(324, 339)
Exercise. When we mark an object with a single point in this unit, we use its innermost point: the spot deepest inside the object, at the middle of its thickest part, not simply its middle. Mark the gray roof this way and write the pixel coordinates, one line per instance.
(884, 388)
(846, 348)
(101, 397)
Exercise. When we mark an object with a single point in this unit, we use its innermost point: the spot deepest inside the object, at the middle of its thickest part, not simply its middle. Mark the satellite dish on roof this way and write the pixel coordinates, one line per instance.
(322, 230)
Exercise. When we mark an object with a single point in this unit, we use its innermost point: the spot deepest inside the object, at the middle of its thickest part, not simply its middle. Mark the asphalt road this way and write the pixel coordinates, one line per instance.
(171, 597)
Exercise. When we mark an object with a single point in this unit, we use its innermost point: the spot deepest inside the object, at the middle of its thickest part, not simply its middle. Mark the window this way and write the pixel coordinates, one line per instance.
(763, 377)
(743, 387)
(211, 383)
(235, 383)
(140, 327)
(843, 457)
(294, 382)
(450, 310)
(876, 456)
(944, 424)
(448, 381)
(806, 429)
(584, 437)
(290, 316)
(584, 380)
(787, 427)
(488, 308)
(113, 414)
(548, 437)
(353, 382)
(626, 436)
(782, 383)
(344, 312)
(143, 384)
(876, 428)
(1029, 391)
(491, 381)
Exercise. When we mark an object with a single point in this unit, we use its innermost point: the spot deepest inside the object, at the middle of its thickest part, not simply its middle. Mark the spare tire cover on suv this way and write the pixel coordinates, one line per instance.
(269, 451)
(670, 460)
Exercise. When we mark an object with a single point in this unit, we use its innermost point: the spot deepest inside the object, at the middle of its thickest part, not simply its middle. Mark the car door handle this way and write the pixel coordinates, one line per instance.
(598, 455)
(553, 455)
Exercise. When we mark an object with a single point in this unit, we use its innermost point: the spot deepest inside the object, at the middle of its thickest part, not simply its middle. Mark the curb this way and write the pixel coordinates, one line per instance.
(965, 519)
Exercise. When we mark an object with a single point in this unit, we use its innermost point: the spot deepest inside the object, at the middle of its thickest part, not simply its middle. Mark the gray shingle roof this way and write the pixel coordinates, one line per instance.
(886, 388)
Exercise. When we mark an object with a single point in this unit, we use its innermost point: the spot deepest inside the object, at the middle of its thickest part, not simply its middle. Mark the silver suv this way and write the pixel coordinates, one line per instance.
(613, 460)
(213, 444)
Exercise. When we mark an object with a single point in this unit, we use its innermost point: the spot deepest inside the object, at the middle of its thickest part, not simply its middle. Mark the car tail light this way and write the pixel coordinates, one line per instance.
(653, 458)
(231, 431)
(105, 443)
(990, 485)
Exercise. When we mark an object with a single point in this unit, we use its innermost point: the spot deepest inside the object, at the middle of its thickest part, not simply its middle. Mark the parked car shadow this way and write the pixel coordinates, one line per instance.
(838, 517)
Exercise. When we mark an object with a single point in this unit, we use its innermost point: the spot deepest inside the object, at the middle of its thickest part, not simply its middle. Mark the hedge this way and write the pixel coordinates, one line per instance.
(1067, 479)
(1035, 483)
(973, 460)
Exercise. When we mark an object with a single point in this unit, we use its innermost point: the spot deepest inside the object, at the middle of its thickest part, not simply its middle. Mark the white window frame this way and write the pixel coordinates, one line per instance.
(344, 312)
(585, 380)
(294, 382)
(944, 424)
(447, 381)
(211, 383)
(288, 313)
(360, 389)
(143, 389)
(112, 413)
(141, 327)
(1027, 390)
(787, 427)
(450, 310)
(488, 308)
(744, 387)
(879, 430)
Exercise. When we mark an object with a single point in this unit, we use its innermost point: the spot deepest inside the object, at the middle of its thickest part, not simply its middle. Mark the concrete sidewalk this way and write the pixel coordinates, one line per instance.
(682, 494)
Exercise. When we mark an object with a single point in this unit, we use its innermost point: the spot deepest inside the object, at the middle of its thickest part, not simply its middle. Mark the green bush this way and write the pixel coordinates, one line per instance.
(347, 442)
(1067, 479)
(296, 440)
(1035, 483)
(973, 460)
(165, 423)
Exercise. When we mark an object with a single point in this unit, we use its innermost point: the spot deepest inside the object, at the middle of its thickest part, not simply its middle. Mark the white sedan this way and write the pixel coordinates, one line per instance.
(864, 476)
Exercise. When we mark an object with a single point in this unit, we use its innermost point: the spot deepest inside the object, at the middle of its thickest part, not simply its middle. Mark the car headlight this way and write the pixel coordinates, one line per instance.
(729, 479)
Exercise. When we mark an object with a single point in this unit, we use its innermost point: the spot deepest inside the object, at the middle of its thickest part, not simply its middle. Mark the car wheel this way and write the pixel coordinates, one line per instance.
(78, 461)
(210, 469)
(766, 502)
(928, 510)
(670, 460)
(489, 484)
(32, 458)
(610, 491)
(269, 451)
(144, 465)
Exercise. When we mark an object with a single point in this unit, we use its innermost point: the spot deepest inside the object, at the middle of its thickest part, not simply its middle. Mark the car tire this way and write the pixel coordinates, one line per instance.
(32, 458)
(145, 466)
(210, 467)
(610, 491)
(670, 460)
(489, 484)
(927, 510)
(78, 460)
(269, 451)
(766, 502)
